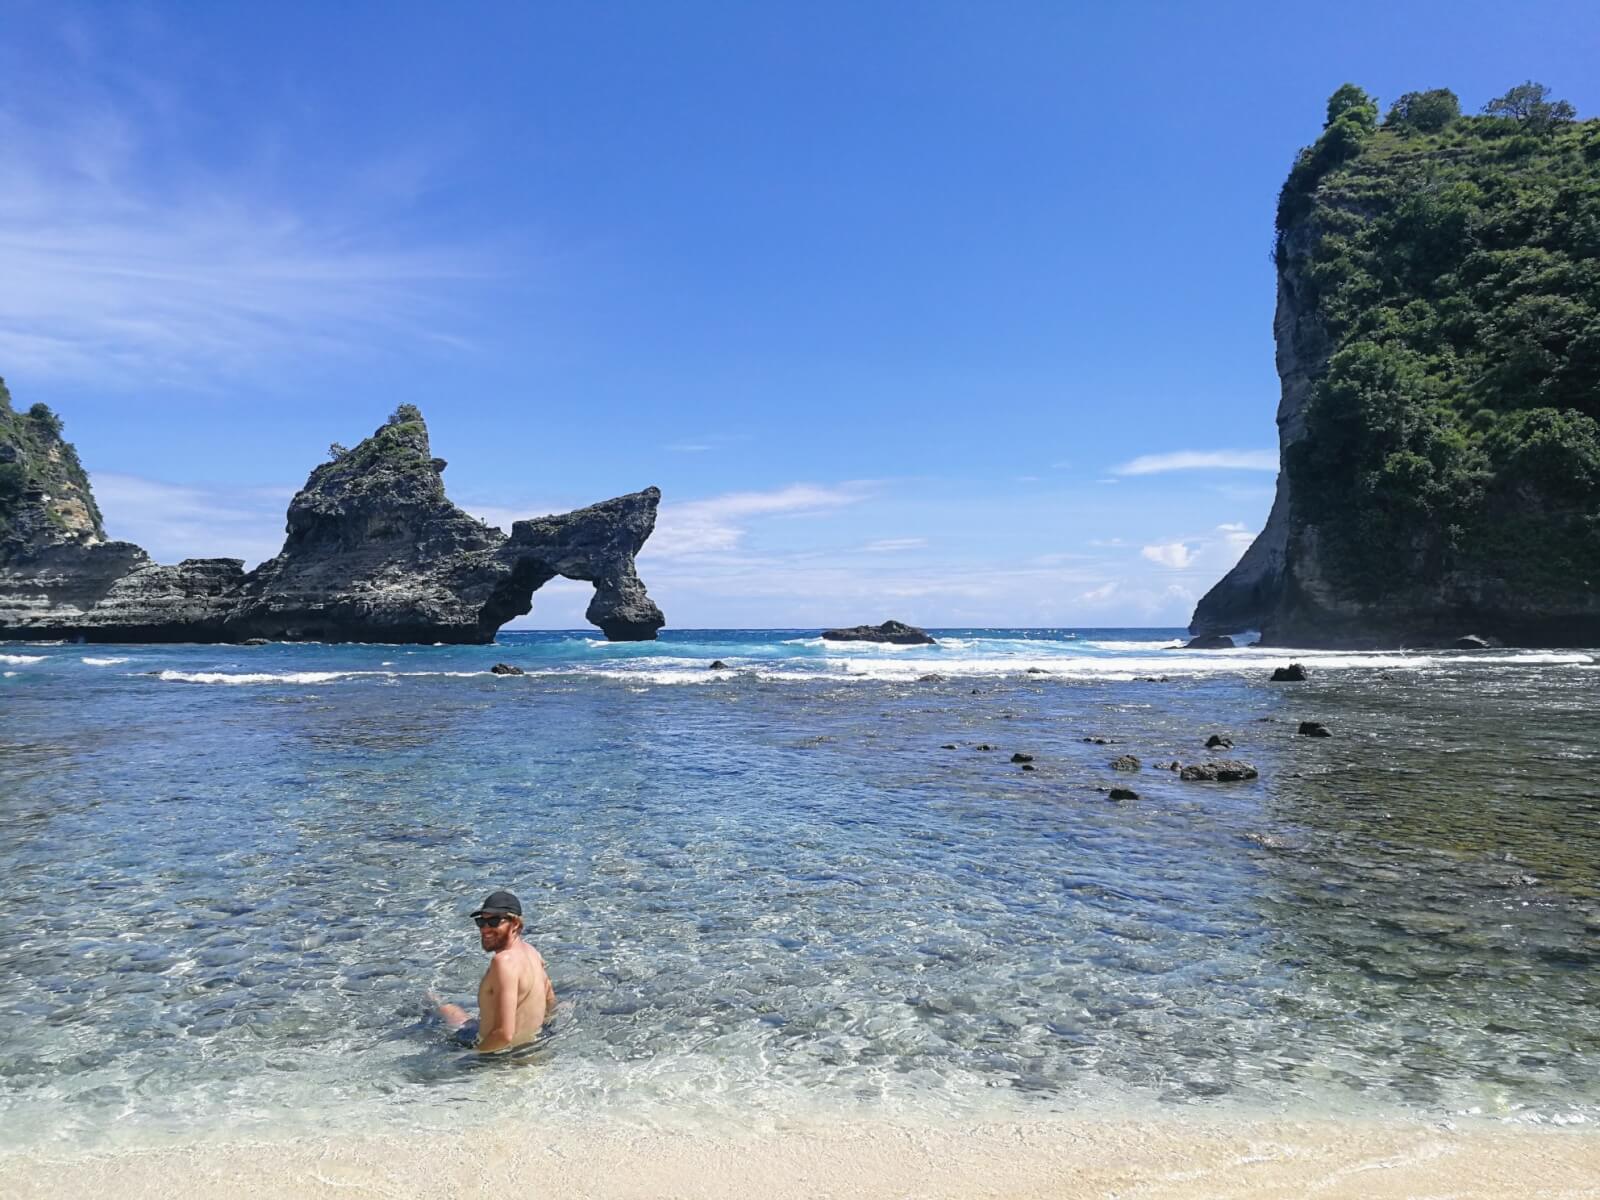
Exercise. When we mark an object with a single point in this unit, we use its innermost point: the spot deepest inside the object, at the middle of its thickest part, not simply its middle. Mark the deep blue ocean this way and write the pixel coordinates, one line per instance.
(813, 880)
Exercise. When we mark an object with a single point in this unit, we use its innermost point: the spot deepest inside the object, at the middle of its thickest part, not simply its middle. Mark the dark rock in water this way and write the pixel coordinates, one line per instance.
(375, 552)
(931, 677)
(1126, 762)
(1168, 766)
(1157, 679)
(1293, 673)
(1218, 742)
(506, 669)
(1473, 642)
(1099, 741)
(719, 665)
(1313, 729)
(1020, 757)
(1036, 671)
(897, 632)
(1028, 767)
(1210, 641)
(948, 746)
(255, 642)
(983, 746)
(1225, 771)
(1122, 793)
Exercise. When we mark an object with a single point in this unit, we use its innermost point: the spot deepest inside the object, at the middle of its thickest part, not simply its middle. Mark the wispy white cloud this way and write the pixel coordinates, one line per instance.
(1170, 554)
(127, 260)
(176, 521)
(718, 524)
(1200, 460)
(894, 545)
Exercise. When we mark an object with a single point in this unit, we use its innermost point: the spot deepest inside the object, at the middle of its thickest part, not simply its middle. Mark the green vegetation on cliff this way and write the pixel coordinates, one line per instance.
(44, 492)
(1451, 265)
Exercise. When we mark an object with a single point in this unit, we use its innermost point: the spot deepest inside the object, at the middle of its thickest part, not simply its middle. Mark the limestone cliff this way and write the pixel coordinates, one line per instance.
(1438, 346)
(375, 551)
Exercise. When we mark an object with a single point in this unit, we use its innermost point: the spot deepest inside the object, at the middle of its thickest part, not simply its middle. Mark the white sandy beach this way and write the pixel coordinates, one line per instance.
(1179, 1159)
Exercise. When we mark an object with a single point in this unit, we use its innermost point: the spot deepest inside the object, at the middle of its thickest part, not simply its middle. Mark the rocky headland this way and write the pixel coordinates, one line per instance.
(1438, 346)
(375, 552)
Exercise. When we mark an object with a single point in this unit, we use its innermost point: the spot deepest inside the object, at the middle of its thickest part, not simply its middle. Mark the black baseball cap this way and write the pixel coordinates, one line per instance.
(499, 902)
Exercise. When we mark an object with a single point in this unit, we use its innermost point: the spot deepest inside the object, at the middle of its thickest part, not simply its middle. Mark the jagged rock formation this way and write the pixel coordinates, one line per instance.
(1438, 344)
(375, 551)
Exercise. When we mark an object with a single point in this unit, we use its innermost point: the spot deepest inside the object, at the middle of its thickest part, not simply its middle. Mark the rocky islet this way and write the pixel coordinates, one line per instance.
(375, 552)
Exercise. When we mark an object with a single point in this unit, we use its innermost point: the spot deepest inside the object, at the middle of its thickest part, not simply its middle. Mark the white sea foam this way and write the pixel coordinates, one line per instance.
(1136, 647)
(258, 677)
(104, 662)
(20, 660)
(987, 658)
(8, 674)
(252, 677)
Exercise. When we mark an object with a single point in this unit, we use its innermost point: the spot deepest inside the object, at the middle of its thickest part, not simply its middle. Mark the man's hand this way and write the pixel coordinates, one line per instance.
(452, 1015)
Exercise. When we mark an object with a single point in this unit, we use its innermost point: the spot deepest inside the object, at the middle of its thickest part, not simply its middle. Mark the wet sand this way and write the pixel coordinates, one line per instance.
(1150, 1160)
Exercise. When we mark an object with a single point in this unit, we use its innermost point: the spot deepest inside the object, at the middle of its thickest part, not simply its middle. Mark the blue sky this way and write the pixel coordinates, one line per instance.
(958, 313)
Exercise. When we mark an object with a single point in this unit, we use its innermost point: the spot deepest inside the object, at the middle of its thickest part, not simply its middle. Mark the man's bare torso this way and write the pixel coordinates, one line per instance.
(523, 970)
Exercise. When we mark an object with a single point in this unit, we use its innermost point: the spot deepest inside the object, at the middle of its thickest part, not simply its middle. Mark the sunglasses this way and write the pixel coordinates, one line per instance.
(489, 922)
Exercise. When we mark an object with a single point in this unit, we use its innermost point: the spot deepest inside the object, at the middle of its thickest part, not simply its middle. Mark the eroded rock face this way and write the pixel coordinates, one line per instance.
(375, 551)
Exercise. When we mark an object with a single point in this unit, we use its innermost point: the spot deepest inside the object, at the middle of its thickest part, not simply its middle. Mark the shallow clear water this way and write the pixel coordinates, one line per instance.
(228, 874)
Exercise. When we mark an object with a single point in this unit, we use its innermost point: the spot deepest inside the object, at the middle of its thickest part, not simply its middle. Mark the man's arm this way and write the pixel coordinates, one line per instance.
(453, 1015)
(497, 1028)
(549, 992)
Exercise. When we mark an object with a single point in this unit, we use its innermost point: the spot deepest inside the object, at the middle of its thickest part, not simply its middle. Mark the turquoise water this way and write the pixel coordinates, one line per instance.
(228, 874)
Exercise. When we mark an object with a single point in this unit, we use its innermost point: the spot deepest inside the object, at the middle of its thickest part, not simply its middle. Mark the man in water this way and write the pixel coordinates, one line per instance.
(515, 998)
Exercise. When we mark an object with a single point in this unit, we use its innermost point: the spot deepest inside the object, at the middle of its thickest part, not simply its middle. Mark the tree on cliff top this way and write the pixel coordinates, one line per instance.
(1426, 112)
(1529, 104)
(1351, 104)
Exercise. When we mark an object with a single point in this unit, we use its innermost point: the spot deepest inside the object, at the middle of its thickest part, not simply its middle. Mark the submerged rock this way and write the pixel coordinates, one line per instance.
(1020, 757)
(1219, 741)
(1125, 762)
(719, 665)
(895, 632)
(1293, 673)
(1210, 641)
(1122, 793)
(506, 669)
(1313, 729)
(1224, 771)
(931, 677)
